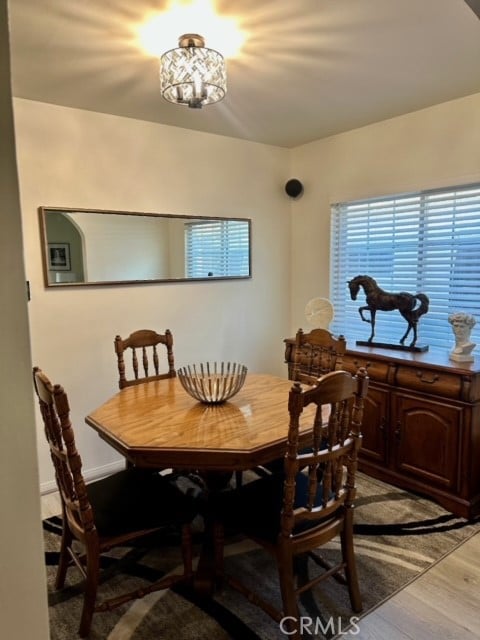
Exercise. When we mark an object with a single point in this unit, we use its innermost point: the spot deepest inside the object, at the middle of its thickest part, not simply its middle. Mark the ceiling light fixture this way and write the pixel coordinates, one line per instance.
(193, 75)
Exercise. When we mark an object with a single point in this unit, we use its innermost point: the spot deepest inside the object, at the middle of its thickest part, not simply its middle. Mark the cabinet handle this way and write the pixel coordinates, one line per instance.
(383, 422)
(398, 433)
(421, 377)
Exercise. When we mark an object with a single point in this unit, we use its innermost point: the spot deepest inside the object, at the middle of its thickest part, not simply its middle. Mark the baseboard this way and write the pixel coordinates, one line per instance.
(89, 474)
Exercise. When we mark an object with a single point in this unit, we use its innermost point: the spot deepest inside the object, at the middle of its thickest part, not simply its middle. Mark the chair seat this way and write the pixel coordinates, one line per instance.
(255, 508)
(135, 499)
(277, 466)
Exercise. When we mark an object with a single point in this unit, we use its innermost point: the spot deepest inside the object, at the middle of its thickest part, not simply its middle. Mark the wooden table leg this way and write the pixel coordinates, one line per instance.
(211, 554)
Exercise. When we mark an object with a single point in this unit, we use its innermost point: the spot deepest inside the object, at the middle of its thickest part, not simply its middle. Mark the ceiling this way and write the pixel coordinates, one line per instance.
(308, 69)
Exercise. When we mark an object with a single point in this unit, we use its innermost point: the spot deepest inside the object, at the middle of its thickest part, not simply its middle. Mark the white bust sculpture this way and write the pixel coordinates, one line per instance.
(462, 325)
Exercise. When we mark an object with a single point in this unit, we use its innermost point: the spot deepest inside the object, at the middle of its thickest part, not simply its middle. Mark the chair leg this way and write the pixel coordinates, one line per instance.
(187, 552)
(348, 553)
(64, 559)
(90, 593)
(218, 546)
(289, 597)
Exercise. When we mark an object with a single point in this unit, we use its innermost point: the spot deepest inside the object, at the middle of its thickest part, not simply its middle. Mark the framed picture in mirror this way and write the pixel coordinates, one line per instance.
(59, 256)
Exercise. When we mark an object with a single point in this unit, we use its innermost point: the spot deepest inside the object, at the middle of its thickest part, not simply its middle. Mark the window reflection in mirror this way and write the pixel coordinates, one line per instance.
(82, 247)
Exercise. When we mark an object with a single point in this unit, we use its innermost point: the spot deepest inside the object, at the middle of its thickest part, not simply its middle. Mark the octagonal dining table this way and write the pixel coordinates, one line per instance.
(159, 425)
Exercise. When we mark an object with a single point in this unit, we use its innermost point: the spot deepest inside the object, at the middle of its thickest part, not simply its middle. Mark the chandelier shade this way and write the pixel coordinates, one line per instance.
(193, 75)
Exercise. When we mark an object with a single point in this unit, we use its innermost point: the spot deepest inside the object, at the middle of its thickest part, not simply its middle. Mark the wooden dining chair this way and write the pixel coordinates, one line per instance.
(312, 504)
(144, 363)
(113, 511)
(316, 353)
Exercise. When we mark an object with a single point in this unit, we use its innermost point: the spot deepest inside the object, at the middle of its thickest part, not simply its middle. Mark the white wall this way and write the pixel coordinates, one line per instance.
(434, 147)
(74, 158)
(22, 569)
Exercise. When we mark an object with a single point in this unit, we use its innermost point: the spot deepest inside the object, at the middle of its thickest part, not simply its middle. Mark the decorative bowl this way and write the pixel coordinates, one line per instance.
(212, 382)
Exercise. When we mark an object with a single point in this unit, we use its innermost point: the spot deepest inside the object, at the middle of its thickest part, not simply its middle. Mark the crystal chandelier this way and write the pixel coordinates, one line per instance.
(193, 75)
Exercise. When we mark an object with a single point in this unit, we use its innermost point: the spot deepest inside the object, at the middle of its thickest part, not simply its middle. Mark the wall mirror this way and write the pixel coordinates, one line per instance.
(93, 247)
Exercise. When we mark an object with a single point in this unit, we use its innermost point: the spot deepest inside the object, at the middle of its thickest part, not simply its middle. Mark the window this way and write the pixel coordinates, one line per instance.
(426, 242)
(217, 248)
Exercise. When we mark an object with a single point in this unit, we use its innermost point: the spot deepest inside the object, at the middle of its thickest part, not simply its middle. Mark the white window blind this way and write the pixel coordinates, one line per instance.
(217, 248)
(426, 242)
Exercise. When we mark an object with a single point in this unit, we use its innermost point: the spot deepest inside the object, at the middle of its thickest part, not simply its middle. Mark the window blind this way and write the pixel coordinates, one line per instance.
(217, 248)
(426, 242)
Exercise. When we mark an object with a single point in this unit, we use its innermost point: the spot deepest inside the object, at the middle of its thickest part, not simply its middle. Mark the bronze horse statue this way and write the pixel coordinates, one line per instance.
(411, 306)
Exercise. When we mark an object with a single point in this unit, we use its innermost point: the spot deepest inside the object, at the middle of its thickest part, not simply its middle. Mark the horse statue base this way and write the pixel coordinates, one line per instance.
(418, 348)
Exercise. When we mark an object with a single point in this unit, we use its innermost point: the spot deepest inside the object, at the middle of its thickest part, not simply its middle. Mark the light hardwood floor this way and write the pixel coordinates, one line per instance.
(50, 504)
(442, 604)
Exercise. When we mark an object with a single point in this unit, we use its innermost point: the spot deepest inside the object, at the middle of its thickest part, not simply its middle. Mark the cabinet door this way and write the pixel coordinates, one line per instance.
(426, 439)
(374, 425)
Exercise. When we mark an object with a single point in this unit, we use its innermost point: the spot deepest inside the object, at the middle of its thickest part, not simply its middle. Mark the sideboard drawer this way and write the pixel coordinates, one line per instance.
(431, 381)
(376, 369)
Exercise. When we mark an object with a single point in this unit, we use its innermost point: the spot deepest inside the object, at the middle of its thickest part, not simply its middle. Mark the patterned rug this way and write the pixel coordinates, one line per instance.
(398, 536)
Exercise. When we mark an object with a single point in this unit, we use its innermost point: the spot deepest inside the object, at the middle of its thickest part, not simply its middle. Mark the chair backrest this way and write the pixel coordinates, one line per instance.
(66, 460)
(316, 353)
(144, 365)
(329, 461)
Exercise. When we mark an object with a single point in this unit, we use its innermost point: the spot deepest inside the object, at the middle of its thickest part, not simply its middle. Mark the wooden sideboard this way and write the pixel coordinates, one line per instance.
(421, 425)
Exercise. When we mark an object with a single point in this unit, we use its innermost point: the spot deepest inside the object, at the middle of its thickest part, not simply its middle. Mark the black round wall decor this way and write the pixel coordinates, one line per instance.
(294, 188)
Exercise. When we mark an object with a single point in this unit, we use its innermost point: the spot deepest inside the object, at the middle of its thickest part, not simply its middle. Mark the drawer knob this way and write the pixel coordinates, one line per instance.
(423, 378)
(358, 364)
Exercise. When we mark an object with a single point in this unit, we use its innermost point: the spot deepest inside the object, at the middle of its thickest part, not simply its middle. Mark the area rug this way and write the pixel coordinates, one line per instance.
(398, 536)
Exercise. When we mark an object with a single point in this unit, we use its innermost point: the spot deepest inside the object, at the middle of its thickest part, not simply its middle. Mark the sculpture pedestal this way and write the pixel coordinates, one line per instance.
(419, 348)
(461, 357)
